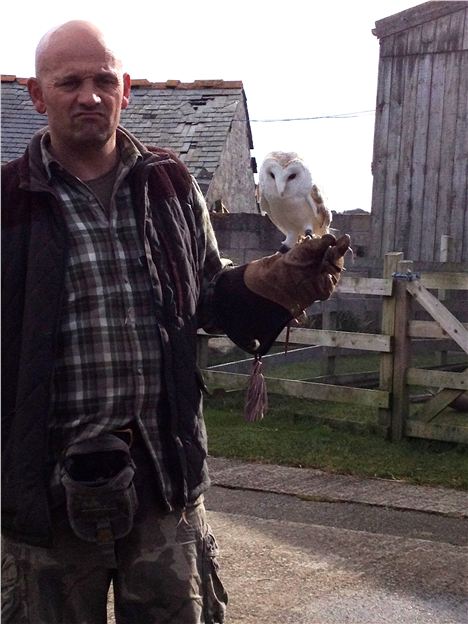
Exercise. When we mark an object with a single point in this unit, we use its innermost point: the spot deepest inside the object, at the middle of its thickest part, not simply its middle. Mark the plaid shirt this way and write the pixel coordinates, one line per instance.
(108, 367)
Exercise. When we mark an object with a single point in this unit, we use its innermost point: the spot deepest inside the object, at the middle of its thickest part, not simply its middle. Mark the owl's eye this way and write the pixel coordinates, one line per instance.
(292, 176)
(272, 175)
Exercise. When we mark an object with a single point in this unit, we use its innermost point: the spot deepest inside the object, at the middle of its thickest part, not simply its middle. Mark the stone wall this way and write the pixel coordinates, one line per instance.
(245, 236)
(233, 183)
(358, 226)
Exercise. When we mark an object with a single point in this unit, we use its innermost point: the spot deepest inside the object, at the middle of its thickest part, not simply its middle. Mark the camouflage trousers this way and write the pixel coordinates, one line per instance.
(167, 572)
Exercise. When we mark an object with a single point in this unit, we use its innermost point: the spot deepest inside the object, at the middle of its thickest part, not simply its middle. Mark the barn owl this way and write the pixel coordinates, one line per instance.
(290, 199)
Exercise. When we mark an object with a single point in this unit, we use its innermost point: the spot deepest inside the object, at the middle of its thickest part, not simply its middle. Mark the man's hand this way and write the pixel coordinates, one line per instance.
(308, 272)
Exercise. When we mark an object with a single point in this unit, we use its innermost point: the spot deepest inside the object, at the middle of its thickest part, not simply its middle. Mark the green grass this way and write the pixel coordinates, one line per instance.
(291, 435)
(350, 364)
(334, 437)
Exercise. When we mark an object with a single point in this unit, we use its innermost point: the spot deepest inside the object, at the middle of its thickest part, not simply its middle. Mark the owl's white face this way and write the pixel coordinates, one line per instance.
(284, 176)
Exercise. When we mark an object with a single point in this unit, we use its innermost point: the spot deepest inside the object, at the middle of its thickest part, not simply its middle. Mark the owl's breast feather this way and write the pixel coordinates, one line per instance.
(292, 214)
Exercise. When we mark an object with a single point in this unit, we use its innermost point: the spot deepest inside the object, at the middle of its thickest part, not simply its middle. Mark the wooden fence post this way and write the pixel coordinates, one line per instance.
(402, 353)
(328, 365)
(202, 349)
(445, 255)
(386, 367)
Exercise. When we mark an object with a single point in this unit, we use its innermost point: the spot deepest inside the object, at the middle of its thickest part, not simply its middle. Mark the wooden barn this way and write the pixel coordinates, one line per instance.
(420, 160)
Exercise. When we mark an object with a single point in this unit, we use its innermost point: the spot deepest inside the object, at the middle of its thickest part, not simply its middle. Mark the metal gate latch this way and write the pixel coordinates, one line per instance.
(409, 276)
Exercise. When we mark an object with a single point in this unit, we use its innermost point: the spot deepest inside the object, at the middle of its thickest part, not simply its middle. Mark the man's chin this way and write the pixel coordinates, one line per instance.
(95, 140)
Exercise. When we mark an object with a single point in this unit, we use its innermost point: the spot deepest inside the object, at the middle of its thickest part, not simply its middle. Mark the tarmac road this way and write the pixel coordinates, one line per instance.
(293, 559)
(300, 546)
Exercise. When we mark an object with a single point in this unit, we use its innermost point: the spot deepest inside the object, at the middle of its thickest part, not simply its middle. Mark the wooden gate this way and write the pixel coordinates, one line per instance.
(399, 288)
(450, 386)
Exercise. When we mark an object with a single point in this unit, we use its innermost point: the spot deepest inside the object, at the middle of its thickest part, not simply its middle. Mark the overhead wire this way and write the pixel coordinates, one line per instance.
(336, 116)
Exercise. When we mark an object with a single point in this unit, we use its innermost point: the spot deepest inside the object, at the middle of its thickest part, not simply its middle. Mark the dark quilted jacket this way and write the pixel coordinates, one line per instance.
(34, 252)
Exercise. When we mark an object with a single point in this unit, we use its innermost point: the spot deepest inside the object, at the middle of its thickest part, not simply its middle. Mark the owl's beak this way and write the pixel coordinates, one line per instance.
(281, 186)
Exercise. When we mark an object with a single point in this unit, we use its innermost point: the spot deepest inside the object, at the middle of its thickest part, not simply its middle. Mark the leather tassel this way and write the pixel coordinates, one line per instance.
(256, 403)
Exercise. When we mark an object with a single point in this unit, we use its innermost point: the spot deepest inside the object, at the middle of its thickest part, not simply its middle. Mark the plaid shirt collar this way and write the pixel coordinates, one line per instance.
(129, 153)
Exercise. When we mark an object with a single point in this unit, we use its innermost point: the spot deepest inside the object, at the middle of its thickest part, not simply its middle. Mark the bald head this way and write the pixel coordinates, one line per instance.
(58, 44)
(82, 89)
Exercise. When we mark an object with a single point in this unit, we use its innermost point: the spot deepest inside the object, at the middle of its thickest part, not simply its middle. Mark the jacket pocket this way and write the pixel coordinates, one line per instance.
(215, 596)
(14, 607)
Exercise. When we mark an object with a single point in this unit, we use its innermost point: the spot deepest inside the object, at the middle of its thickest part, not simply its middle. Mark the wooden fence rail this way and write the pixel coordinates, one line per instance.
(400, 288)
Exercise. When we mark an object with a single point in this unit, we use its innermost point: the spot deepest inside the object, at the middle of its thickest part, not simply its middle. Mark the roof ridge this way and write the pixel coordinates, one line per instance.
(13, 78)
(217, 83)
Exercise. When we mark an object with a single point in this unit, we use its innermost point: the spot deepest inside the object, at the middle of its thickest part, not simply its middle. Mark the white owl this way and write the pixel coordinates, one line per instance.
(289, 197)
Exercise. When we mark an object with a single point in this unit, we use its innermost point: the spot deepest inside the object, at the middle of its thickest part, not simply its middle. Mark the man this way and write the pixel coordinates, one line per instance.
(110, 265)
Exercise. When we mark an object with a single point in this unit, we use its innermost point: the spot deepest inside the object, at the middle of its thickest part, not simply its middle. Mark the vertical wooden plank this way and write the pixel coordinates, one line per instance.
(386, 366)
(328, 364)
(458, 226)
(393, 147)
(447, 140)
(386, 46)
(400, 44)
(414, 40)
(432, 169)
(419, 153)
(404, 205)
(428, 34)
(457, 28)
(402, 354)
(445, 255)
(464, 45)
(443, 32)
(379, 159)
(202, 350)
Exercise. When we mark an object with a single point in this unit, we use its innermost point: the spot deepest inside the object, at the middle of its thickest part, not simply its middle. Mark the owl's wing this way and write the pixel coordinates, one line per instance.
(323, 214)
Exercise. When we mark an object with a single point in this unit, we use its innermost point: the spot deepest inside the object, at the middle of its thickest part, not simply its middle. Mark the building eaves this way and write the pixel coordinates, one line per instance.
(415, 16)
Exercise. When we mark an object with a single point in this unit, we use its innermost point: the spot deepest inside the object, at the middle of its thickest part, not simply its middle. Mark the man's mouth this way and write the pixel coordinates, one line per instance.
(88, 115)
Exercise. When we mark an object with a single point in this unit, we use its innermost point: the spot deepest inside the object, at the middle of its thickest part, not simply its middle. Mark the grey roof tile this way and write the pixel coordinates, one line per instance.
(192, 119)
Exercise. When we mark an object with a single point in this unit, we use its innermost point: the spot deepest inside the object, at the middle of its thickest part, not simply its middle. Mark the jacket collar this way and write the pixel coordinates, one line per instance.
(35, 164)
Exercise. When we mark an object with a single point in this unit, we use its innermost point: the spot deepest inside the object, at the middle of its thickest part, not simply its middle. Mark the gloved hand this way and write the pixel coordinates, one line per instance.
(308, 272)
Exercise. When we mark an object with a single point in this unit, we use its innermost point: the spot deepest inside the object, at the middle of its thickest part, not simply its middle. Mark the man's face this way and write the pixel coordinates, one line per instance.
(82, 90)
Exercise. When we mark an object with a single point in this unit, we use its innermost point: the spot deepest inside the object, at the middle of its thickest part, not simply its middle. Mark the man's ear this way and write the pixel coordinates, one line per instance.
(127, 83)
(35, 92)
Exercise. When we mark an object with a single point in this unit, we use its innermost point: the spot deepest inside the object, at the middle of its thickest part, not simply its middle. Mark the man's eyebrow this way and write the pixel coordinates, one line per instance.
(104, 73)
(107, 73)
(71, 76)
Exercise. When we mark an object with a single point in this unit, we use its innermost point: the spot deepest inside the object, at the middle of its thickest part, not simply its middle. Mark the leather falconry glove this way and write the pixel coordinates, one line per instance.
(306, 273)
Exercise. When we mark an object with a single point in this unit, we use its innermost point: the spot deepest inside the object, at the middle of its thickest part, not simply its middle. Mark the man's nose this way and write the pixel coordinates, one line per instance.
(88, 94)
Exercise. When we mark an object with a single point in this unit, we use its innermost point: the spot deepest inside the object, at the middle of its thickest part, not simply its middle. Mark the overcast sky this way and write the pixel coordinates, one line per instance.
(296, 59)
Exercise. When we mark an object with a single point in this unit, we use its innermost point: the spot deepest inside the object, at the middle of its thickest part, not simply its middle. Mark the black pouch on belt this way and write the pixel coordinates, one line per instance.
(97, 476)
